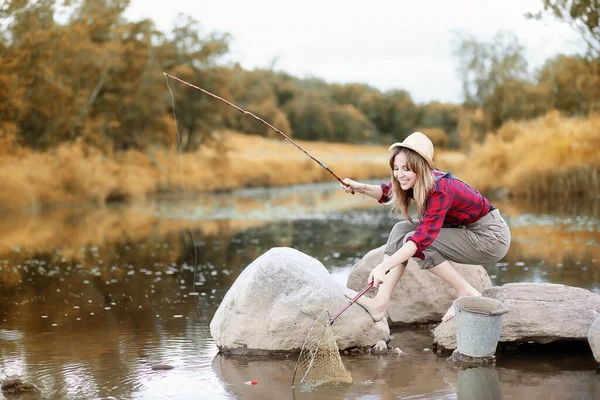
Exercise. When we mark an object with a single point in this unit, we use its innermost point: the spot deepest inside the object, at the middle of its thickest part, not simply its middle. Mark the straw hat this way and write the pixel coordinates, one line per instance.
(419, 143)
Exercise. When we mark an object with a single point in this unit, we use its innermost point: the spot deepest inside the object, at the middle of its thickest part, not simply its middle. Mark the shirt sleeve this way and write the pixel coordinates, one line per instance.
(429, 226)
(386, 195)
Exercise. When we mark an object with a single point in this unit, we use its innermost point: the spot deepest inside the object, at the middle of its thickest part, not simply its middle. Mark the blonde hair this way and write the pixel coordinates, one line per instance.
(423, 186)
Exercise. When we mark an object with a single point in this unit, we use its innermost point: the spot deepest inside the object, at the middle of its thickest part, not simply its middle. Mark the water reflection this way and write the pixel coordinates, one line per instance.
(479, 383)
(374, 377)
(90, 299)
(558, 247)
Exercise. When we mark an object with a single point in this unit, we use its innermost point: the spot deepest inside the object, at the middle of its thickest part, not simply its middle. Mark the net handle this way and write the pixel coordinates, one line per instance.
(369, 286)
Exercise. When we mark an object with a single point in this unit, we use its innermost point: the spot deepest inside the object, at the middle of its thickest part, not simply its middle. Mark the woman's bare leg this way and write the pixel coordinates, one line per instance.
(377, 306)
(447, 272)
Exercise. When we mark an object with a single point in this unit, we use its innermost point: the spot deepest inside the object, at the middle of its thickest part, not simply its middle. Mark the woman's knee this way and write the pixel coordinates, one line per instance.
(499, 251)
(398, 236)
(402, 228)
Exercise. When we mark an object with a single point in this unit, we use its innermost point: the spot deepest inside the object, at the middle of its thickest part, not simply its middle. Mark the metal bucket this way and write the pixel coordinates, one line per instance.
(478, 323)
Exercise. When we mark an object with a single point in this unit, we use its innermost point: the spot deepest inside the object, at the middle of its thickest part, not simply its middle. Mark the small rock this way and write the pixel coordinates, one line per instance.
(594, 338)
(14, 385)
(397, 351)
(380, 349)
(162, 367)
(11, 381)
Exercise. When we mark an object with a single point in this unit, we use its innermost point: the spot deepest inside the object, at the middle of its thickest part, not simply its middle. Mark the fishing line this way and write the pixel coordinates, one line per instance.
(167, 76)
(264, 122)
(195, 295)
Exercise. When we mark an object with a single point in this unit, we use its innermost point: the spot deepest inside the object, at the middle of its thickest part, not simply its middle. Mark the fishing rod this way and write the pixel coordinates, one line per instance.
(264, 122)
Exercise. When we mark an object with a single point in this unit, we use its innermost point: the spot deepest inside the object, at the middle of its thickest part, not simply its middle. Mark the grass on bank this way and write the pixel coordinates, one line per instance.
(74, 172)
(549, 156)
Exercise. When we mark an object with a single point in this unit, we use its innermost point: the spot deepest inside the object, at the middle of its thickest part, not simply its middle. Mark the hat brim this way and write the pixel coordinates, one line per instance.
(430, 162)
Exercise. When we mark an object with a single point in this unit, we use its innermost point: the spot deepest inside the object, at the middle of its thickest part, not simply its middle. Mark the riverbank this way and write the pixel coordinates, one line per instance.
(549, 156)
(76, 173)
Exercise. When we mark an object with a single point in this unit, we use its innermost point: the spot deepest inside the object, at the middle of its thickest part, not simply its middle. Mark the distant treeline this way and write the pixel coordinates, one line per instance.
(78, 70)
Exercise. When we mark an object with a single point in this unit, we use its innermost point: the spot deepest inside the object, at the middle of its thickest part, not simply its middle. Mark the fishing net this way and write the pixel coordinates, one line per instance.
(319, 362)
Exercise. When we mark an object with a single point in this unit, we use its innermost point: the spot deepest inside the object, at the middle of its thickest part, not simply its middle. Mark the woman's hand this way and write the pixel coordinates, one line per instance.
(377, 274)
(352, 186)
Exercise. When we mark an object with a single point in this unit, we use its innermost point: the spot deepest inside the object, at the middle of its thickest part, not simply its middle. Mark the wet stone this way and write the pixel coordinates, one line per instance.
(14, 385)
(462, 359)
(162, 367)
(380, 349)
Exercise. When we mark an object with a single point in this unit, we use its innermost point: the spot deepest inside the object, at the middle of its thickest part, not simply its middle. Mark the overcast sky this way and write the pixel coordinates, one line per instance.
(386, 44)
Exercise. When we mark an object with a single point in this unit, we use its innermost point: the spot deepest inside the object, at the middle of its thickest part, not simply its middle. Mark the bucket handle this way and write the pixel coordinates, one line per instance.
(488, 313)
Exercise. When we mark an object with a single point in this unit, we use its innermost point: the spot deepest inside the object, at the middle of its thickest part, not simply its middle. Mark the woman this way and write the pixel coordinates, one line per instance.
(456, 223)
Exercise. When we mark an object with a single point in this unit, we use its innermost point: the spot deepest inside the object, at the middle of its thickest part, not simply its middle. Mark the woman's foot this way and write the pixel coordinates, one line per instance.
(375, 310)
(450, 313)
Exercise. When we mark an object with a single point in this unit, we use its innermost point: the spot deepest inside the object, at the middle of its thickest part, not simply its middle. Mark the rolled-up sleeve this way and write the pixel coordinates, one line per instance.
(386, 193)
(429, 226)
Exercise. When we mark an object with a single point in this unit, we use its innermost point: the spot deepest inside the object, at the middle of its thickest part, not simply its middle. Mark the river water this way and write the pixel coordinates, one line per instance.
(92, 300)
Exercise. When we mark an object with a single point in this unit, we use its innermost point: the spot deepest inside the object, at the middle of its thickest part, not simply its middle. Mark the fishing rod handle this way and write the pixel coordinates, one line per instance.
(359, 294)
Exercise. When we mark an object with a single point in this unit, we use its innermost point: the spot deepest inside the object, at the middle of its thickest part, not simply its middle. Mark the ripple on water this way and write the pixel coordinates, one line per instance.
(10, 334)
(115, 363)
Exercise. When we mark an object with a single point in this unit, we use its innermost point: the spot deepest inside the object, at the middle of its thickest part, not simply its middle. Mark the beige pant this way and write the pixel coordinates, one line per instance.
(483, 242)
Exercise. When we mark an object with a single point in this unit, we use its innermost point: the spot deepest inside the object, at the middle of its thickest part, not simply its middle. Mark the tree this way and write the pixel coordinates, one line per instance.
(98, 77)
(582, 15)
(490, 73)
(485, 66)
(352, 93)
(351, 125)
(572, 84)
(514, 100)
(442, 116)
(309, 117)
(270, 113)
(254, 92)
(194, 58)
(286, 87)
(108, 59)
(27, 58)
(400, 114)
(370, 102)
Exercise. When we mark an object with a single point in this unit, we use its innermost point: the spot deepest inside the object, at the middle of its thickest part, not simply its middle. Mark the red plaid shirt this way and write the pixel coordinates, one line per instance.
(452, 203)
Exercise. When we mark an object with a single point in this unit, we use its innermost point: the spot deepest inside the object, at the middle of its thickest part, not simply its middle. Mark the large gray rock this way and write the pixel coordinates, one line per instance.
(420, 297)
(594, 338)
(537, 312)
(274, 302)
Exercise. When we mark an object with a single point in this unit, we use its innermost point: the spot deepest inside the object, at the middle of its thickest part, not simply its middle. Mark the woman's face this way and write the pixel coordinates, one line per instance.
(402, 172)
